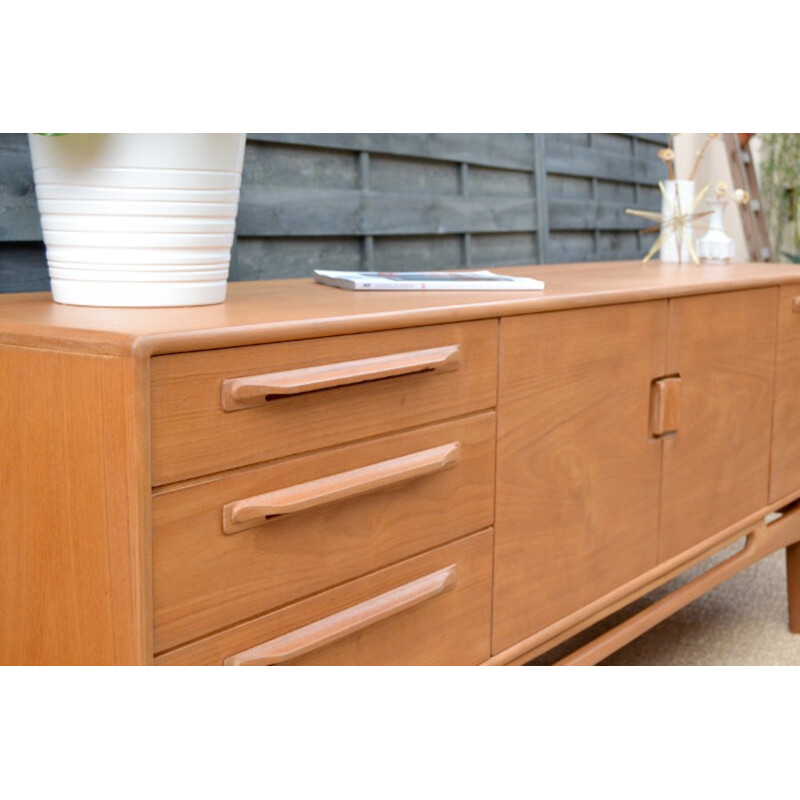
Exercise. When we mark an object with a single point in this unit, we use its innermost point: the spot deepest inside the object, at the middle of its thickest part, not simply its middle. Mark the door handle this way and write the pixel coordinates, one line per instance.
(255, 390)
(254, 511)
(665, 406)
(335, 627)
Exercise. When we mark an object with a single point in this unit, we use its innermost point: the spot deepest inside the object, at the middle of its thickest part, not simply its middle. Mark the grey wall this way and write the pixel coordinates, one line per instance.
(400, 201)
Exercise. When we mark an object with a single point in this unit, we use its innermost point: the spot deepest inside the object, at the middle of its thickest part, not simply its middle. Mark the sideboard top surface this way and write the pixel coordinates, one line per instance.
(282, 310)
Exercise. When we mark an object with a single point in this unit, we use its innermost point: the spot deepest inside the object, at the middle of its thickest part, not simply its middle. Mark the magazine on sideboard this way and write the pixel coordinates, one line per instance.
(437, 281)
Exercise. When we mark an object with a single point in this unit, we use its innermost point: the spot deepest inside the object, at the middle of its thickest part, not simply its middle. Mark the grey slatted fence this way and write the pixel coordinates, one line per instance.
(591, 179)
(22, 263)
(400, 201)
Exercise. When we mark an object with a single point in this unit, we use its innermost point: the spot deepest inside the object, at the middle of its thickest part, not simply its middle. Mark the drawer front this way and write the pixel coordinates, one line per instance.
(325, 518)
(434, 609)
(221, 409)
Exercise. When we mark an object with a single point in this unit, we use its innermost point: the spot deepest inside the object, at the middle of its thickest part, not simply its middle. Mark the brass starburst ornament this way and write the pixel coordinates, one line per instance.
(673, 221)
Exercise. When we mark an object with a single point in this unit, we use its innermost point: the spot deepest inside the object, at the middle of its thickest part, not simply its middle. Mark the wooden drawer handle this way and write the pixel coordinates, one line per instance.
(665, 406)
(253, 511)
(796, 305)
(337, 626)
(254, 390)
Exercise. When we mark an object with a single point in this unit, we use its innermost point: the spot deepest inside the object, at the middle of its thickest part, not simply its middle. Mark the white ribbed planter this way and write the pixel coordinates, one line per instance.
(138, 219)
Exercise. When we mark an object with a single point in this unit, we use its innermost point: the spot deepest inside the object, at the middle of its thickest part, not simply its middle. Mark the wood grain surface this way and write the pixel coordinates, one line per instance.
(785, 466)
(582, 485)
(716, 468)
(74, 549)
(793, 585)
(204, 579)
(451, 628)
(258, 312)
(577, 469)
(335, 627)
(193, 435)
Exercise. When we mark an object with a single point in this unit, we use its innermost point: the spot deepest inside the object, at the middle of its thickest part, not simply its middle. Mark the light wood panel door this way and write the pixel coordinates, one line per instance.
(578, 467)
(785, 471)
(716, 466)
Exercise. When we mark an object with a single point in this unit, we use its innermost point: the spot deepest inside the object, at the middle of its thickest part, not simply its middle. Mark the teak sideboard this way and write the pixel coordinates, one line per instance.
(308, 475)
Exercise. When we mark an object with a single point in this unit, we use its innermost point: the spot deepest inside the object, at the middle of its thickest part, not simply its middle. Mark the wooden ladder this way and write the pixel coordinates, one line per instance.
(744, 176)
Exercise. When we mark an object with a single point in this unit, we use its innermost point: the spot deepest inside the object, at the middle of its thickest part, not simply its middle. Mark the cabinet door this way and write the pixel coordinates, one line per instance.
(578, 471)
(716, 466)
(785, 472)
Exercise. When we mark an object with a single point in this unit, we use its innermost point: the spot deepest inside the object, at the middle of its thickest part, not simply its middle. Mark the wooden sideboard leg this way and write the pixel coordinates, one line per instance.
(793, 585)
